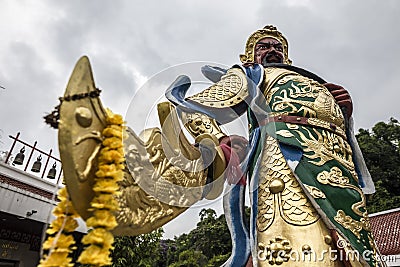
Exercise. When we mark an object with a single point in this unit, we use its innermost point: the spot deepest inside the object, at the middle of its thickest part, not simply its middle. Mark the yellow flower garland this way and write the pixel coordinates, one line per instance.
(59, 243)
(99, 239)
(110, 166)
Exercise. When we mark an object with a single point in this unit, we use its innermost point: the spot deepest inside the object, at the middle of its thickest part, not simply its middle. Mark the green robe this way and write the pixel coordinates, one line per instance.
(325, 171)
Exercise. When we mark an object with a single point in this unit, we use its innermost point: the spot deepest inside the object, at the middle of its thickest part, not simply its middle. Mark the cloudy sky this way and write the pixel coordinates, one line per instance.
(349, 42)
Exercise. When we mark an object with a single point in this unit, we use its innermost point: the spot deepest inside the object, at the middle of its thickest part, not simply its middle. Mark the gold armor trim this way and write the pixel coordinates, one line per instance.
(267, 31)
(279, 191)
(286, 218)
(276, 251)
(335, 178)
(202, 127)
(326, 125)
(314, 191)
(322, 108)
(353, 225)
(323, 147)
(198, 123)
(272, 76)
(229, 91)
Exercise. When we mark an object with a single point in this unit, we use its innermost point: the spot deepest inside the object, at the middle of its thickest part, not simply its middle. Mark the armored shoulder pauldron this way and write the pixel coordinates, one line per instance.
(228, 92)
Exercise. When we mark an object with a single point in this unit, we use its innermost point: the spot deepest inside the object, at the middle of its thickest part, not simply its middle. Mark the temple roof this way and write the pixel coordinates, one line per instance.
(386, 229)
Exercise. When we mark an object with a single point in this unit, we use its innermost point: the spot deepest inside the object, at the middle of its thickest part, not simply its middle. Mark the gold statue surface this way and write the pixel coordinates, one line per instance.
(164, 173)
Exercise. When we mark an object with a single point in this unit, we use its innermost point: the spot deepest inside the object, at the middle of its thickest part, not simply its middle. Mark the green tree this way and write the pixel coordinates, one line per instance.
(382, 156)
(142, 250)
(210, 238)
(190, 258)
(382, 200)
(211, 235)
(218, 260)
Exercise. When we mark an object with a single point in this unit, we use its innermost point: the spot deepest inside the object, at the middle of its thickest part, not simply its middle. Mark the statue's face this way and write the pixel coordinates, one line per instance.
(269, 50)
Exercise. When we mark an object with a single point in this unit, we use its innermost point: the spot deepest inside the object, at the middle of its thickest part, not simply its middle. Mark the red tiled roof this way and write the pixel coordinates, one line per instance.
(386, 229)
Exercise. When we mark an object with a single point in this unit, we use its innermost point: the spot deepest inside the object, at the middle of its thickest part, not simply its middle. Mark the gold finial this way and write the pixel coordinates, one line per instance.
(267, 31)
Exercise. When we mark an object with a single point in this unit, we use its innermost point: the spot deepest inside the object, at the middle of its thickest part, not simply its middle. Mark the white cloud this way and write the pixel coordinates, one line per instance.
(296, 3)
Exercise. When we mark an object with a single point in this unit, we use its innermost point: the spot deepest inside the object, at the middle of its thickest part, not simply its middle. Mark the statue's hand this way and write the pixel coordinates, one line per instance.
(237, 143)
(342, 97)
(234, 149)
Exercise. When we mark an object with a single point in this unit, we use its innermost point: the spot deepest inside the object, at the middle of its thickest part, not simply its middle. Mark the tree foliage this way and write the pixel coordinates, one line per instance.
(211, 238)
(382, 156)
(190, 258)
(142, 250)
(209, 244)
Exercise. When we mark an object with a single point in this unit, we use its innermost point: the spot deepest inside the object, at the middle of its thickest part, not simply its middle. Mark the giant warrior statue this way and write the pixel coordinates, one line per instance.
(303, 167)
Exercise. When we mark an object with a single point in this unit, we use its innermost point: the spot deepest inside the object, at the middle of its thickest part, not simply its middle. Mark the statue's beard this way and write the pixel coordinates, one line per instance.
(272, 57)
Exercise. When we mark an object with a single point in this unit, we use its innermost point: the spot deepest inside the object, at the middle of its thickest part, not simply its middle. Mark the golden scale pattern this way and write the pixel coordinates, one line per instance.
(229, 91)
(294, 206)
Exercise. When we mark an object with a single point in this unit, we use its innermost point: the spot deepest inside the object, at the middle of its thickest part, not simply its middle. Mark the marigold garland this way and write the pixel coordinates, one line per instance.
(99, 239)
(103, 205)
(60, 243)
